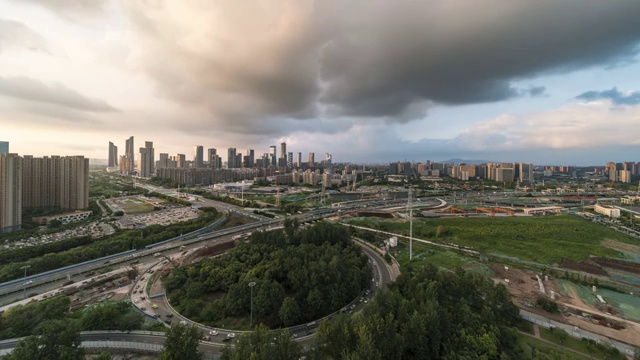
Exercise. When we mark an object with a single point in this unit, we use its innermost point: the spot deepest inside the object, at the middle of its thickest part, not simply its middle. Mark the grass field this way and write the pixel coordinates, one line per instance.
(533, 348)
(628, 304)
(545, 240)
(582, 291)
(132, 205)
(599, 351)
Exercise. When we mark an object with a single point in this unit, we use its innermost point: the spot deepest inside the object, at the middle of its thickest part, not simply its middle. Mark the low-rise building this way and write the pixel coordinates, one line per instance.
(65, 218)
(607, 210)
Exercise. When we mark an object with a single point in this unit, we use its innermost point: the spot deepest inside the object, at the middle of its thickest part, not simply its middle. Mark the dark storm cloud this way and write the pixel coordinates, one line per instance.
(251, 63)
(70, 8)
(57, 94)
(616, 97)
(17, 35)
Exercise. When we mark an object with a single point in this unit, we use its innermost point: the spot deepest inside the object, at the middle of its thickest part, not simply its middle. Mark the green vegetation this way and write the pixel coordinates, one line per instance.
(261, 344)
(300, 275)
(55, 339)
(106, 185)
(68, 252)
(25, 320)
(541, 239)
(536, 349)
(586, 346)
(182, 344)
(233, 220)
(547, 305)
(427, 314)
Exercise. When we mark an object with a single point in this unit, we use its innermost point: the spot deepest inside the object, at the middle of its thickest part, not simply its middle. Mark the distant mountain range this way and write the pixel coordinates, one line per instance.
(470, 162)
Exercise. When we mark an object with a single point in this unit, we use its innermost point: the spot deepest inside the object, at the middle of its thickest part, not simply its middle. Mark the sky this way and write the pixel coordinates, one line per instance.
(548, 82)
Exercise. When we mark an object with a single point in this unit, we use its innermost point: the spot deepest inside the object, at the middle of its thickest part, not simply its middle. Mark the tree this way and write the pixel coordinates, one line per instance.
(182, 344)
(261, 344)
(56, 340)
(55, 223)
(289, 311)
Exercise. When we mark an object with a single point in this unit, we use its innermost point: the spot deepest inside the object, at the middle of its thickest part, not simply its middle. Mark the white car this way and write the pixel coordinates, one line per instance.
(213, 333)
(231, 335)
(183, 322)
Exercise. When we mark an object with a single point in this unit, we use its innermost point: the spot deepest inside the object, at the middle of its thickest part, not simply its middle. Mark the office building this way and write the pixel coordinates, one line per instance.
(525, 173)
(113, 155)
(312, 159)
(211, 154)
(129, 154)
(283, 152)
(10, 192)
(239, 160)
(252, 157)
(231, 158)
(299, 160)
(146, 163)
(198, 156)
(4, 147)
(272, 156)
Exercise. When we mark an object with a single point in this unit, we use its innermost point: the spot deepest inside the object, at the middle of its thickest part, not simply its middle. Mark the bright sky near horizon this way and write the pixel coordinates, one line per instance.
(366, 80)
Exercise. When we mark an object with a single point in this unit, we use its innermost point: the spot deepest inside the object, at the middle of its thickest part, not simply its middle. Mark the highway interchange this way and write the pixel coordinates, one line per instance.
(52, 281)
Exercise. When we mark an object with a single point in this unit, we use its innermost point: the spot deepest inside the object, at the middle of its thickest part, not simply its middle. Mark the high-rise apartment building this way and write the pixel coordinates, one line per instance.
(273, 159)
(181, 161)
(198, 156)
(146, 163)
(74, 181)
(10, 192)
(4, 147)
(299, 160)
(239, 160)
(290, 160)
(113, 155)
(312, 159)
(55, 182)
(231, 158)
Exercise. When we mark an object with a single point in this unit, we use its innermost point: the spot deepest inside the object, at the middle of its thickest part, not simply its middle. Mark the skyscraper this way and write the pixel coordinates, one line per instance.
(113, 155)
(526, 173)
(231, 158)
(283, 154)
(74, 182)
(299, 160)
(252, 157)
(198, 156)
(129, 154)
(181, 161)
(4, 147)
(312, 159)
(10, 192)
(211, 154)
(273, 159)
(290, 160)
(146, 163)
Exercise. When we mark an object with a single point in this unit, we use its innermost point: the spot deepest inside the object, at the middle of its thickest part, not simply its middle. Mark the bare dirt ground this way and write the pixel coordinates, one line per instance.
(523, 286)
(621, 246)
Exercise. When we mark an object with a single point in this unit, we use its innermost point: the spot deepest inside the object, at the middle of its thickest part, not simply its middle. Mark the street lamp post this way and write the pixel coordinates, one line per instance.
(24, 284)
(251, 285)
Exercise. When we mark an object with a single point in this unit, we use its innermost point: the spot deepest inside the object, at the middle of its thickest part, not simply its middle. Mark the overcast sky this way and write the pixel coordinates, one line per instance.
(549, 82)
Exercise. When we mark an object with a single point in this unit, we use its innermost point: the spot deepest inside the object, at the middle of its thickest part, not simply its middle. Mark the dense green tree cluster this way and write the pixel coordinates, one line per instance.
(262, 344)
(54, 340)
(25, 320)
(54, 255)
(426, 314)
(300, 275)
(182, 343)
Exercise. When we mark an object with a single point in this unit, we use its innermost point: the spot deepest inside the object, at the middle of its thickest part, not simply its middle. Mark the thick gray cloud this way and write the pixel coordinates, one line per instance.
(17, 35)
(248, 63)
(617, 97)
(57, 94)
(69, 9)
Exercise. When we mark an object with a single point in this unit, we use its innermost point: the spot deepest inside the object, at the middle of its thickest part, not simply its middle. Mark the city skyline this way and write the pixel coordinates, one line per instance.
(426, 80)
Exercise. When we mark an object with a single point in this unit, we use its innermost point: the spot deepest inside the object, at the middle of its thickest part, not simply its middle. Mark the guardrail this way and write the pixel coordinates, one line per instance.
(109, 257)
